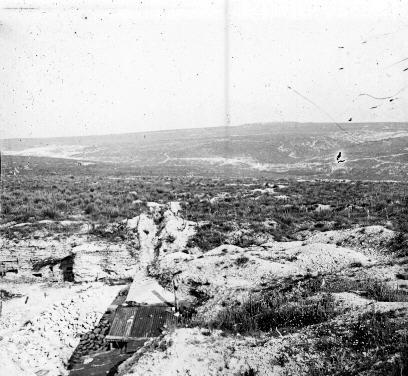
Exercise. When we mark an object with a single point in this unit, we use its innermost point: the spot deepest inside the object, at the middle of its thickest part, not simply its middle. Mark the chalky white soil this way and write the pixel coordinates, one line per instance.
(40, 330)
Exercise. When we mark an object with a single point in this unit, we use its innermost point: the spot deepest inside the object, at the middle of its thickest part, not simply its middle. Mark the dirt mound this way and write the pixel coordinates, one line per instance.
(368, 239)
(228, 273)
(197, 352)
(42, 337)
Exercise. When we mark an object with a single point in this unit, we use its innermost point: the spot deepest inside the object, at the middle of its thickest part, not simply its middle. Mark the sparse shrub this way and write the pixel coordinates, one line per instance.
(112, 212)
(162, 190)
(376, 344)
(197, 289)
(356, 264)
(371, 288)
(371, 330)
(6, 209)
(170, 238)
(241, 260)
(398, 244)
(381, 292)
(164, 277)
(89, 209)
(207, 238)
(110, 231)
(25, 212)
(275, 310)
(249, 372)
(244, 241)
(61, 204)
(49, 212)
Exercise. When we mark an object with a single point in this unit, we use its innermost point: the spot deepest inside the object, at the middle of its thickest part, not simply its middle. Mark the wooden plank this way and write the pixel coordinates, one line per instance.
(140, 322)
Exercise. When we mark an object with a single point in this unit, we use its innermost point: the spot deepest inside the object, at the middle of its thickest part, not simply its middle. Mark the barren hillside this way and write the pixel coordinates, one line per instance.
(376, 151)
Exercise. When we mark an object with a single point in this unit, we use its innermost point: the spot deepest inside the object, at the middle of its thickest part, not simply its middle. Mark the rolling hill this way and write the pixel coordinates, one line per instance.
(373, 151)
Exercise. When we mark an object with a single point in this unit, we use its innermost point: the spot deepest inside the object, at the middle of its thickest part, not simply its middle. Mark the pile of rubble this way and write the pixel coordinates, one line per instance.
(93, 340)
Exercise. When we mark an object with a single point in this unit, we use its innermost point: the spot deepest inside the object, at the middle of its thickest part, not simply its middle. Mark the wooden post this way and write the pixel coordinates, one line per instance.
(175, 288)
(175, 295)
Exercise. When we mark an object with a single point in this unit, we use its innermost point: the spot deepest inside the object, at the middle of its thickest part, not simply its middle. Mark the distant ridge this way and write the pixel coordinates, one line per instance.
(370, 150)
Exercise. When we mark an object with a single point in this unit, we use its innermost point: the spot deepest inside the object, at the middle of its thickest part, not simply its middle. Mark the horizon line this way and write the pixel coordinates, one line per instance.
(207, 127)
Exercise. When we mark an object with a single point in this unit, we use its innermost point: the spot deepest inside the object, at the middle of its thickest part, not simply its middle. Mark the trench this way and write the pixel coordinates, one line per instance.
(96, 355)
(93, 355)
(100, 354)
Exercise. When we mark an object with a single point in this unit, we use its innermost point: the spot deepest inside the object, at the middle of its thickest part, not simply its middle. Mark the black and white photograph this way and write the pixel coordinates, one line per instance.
(204, 188)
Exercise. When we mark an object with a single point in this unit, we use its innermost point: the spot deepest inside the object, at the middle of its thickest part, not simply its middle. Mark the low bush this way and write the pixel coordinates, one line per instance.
(398, 244)
(273, 311)
(50, 212)
(376, 344)
(242, 260)
(207, 238)
(369, 288)
(61, 204)
(90, 209)
(249, 372)
(110, 231)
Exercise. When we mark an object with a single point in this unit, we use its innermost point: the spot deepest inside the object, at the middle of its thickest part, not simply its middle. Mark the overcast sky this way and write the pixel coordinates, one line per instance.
(97, 67)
